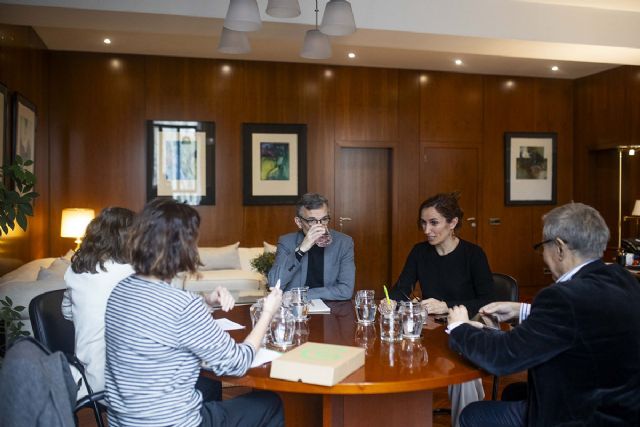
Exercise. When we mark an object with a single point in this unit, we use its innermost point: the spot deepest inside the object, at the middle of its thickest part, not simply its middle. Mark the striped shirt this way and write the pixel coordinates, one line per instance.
(156, 337)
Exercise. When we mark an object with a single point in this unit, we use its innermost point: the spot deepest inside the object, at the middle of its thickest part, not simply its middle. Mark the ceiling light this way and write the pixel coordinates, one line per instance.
(351, 55)
(316, 45)
(234, 42)
(107, 41)
(243, 15)
(555, 68)
(283, 8)
(632, 152)
(458, 62)
(338, 19)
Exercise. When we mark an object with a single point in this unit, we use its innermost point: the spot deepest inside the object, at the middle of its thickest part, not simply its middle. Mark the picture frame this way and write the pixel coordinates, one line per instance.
(24, 130)
(4, 120)
(274, 163)
(530, 168)
(181, 161)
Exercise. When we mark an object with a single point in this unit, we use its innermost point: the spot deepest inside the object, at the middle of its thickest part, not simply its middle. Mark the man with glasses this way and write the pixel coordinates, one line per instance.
(315, 256)
(580, 339)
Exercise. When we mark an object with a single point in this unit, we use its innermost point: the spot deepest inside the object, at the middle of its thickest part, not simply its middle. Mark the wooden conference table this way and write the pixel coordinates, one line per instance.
(393, 388)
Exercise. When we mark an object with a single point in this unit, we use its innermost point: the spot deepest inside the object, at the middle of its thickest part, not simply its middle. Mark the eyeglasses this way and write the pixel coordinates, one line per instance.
(539, 246)
(313, 221)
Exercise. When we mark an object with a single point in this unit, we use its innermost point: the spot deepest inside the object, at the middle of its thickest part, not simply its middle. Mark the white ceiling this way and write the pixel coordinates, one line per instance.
(511, 37)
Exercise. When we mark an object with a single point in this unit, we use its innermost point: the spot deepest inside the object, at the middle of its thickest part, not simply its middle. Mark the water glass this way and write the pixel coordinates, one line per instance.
(282, 328)
(365, 306)
(390, 326)
(413, 316)
(299, 303)
(324, 240)
(255, 311)
(301, 332)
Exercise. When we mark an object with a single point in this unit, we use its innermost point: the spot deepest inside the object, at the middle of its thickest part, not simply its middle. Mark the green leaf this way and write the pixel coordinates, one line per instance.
(22, 220)
(18, 308)
(9, 300)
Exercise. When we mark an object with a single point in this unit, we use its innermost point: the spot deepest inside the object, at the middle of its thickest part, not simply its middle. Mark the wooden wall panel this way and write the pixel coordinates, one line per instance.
(366, 104)
(23, 69)
(97, 135)
(451, 107)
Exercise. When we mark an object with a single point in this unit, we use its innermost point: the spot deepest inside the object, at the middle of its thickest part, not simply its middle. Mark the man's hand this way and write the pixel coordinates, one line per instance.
(221, 296)
(502, 310)
(434, 306)
(458, 314)
(313, 234)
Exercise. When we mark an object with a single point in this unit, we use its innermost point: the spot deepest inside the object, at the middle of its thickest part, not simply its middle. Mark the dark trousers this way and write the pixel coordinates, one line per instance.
(210, 389)
(495, 413)
(258, 408)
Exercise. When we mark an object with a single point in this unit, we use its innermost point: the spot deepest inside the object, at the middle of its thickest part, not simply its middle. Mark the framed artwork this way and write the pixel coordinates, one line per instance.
(181, 161)
(24, 130)
(275, 163)
(530, 168)
(4, 118)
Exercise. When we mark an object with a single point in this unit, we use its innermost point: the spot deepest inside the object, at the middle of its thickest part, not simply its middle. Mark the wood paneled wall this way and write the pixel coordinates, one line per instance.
(102, 101)
(23, 69)
(607, 114)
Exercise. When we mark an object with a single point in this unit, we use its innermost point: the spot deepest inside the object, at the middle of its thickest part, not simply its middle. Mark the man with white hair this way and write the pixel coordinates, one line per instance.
(579, 340)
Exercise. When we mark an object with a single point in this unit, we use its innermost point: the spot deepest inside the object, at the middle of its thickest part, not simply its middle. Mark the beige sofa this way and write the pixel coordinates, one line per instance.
(227, 266)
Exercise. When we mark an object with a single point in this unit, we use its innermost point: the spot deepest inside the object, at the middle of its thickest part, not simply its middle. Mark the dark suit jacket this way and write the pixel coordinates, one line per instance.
(581, 345)
(339, 268)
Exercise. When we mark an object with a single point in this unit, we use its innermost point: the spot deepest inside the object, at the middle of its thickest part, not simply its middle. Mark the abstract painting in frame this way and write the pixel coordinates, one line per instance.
(24, 130)
(181, 161)
(275, 163)
(530, 168)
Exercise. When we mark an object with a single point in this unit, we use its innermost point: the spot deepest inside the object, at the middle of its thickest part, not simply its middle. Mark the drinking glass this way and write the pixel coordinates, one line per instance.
(255, 311)
(365, 306)
(324, 240)
(282, 328)
(301, 332)
(390, 326)
(299, 303)
(413, 316)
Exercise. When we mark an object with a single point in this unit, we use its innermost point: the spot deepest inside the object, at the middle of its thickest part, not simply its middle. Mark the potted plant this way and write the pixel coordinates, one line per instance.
(17, 204)
(263, 262)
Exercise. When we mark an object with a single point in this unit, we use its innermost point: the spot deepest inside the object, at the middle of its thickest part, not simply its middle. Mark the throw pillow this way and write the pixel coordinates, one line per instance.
(222, 258)
(55, 271)
(268, 247)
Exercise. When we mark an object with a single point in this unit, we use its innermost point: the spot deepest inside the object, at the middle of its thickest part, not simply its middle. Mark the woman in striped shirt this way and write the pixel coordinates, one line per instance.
(157, 336)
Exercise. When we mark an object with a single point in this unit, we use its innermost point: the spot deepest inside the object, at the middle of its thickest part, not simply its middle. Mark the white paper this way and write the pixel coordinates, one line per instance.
(318, 306)
(228, 325)
(265, 355)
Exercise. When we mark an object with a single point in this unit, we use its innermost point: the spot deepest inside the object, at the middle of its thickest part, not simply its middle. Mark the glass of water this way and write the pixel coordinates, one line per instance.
(365, 306)
(255, 311)
(299, 303)
(282, 328)
(390, 326)
(413, 316)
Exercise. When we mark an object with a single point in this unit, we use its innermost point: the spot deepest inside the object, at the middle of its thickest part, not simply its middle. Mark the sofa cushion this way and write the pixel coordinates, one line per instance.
(26, 272)
(248, 254)
(268, 247)
(222, 258)
(23, 292)
(233, 280)
(56, 270)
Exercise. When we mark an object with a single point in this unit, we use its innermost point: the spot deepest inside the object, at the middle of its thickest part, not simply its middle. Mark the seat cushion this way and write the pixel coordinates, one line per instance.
(233, 280)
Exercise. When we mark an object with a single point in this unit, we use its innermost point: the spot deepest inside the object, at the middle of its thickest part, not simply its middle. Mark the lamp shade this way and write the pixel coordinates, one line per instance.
(74, 222)
(233, 42)
(338, 19)
(243, 15)
(316, 45)
(636, 209)
(283, 8)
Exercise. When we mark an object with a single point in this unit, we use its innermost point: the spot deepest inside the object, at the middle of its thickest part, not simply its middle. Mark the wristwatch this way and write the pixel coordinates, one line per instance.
(299, 252)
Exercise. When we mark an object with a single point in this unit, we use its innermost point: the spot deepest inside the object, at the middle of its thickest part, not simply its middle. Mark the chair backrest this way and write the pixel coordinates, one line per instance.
(505, 288)
(49, 325)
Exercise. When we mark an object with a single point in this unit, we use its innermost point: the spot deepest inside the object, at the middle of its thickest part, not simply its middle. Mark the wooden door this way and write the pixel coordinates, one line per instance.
(363, 194)
(448, 169)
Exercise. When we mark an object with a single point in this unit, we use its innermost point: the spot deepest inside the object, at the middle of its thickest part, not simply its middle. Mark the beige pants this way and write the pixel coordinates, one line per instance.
(461, 395)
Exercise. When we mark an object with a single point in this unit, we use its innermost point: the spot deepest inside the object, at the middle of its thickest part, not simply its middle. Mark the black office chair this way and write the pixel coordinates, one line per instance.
(58, 334)
(505, 288)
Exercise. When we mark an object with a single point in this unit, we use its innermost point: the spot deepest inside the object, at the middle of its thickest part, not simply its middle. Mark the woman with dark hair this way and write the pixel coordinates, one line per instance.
(96, 268)
(451, 272)
(157, 336)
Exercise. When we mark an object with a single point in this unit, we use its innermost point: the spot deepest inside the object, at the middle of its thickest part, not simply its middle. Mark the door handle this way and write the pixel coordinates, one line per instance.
(472, 220)
(341, 221)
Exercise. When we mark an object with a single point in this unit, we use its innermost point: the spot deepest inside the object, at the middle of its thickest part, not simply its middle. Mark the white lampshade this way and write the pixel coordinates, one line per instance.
(316, 45)
(243, 15)
(338, 19)
(74, 222)
(283, 8)
(233, 42)
(636, 209)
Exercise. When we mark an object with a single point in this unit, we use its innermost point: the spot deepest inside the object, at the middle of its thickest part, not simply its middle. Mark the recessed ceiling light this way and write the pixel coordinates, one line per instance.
(458, 62)
(328, 73)
(107, 41)
(555, 68)
(424, 78)
(226, 69)
(351, 55)
(632, 152)
(509, 83)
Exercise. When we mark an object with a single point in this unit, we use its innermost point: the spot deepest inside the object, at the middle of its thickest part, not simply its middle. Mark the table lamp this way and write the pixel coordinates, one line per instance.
(74, 223)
